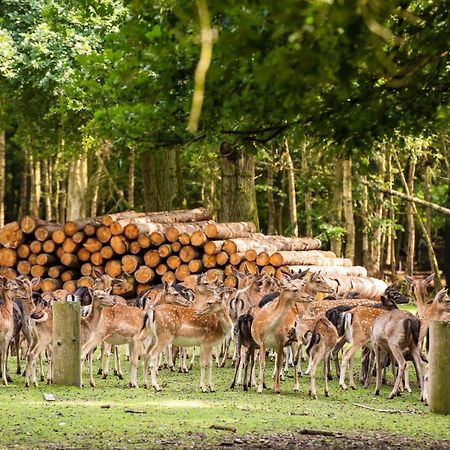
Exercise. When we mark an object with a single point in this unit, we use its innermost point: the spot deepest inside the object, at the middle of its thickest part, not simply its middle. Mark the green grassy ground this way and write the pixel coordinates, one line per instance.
(111, 415)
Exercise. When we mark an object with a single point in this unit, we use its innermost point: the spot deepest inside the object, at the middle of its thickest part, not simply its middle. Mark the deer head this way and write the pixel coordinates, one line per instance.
(317, 283)
(102, 298)
(212, 306)
(171, 295)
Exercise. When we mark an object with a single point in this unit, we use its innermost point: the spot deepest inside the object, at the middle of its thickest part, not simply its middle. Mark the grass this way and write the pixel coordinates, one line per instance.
(98, 417)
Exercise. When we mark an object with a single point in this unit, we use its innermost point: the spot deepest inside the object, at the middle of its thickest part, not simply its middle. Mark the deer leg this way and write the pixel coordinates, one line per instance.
(346, 359)
(153, 351)
(210, 380)
(314, 359)
(249, 357)
(262, 367)
(91, 374)
(191, 364)
(119, 364)
(418, 367)
(398, 355)
(204, 360)
(368, 377)
(326, 369)
(279, 368)
(100, 359)
(225, 354)
(377, 351)
(3, 357)
(236, 369)
(106, 356)
(50, 366)
(17, 347)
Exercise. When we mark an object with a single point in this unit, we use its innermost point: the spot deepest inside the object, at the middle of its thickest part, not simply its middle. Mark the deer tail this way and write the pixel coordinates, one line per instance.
(412, 329)
(314, 340)
(149, 323)
(348, 329)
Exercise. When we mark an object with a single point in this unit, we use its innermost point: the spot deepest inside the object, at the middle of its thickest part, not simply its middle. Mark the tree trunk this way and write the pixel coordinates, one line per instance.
(238, 196)
(376, 231)
(364, 212)
(159, 179)
(291, 189)
(270, 200)
(35, 193)
(47, 189)
(77, 189)
(307, 196)
(2, 177)
(23, 202)
(336, 208)
(131, 170)
(410, 229)
(181, 196)
(348, 209)
(391, 259)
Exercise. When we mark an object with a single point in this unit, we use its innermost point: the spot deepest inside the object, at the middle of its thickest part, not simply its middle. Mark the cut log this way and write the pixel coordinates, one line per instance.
(316, 258)
(230, 247)
(50, 284)
(353, 271)
(70, 260)
(24, 267)
(35, 247)
(85, 281)
(263, 259)
(107, 252)
(113, 268)
(79, 237)
(209, 261)
(86, 269)
(46, 259)
(371, 288)
(8, 257)
(108, 219)
(43, 233)
(69, 245)
(119, 244)
(115, 228)
(169, 277)
(28, 224)
(213, 247)
(135, 248)
(157, 238)
(198, 239)
(10, 274)
(236, 258)
(161, 269)
(38, 271)
(165, 250)
(92, 245)
(130, 263)
(96, 259)
(195, 266)
(58, 236)
(72, 226)
(56, 271)
(188, 253)
(32, 258)
(126, 288)
(182, 272)
(184, 238)
(70, 286)
(173, 262)
(131, 231)
(11, 235)
(230, 281)
(172, 234)
(214, 274)
(152, 258)
(68, 275)
(222, 258)
(249, 266)
(228, 269)
(281, 272)
(176, 247)
(23, 251)
(103, 234)
(48, 246)
(250, 255)
(84, 254)
(229, 230)
(270, 270)
(145, 242)
(89, 229)
(141, 288)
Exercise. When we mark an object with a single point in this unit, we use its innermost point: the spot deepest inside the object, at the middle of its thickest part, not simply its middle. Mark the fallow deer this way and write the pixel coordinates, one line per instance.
(271, 325)
(187, 327)
(358, 325)
(395, 332)
(320, 337)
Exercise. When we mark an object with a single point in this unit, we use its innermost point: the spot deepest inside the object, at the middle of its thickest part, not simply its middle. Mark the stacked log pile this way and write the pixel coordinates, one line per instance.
(145, 248)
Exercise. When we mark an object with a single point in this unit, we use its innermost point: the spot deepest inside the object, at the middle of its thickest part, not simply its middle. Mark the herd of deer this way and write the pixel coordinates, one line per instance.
(261, 314)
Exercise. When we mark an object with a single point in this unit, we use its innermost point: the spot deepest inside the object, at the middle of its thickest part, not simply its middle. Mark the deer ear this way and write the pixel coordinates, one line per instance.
(440, 296)
(96, 273)
(108, 291)
(429, 278)
(35, 281)
(409, 280)
(241, 303)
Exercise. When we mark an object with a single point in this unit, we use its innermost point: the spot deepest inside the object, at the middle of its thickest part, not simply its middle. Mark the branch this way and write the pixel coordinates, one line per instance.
(410, 198)
(391, 411)
(202, 66)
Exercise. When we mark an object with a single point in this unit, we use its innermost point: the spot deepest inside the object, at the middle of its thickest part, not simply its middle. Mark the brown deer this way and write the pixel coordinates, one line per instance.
(395, 332)
(271, 325)
(205, 327)
(358, 325)
(419, 288)
(320, 337)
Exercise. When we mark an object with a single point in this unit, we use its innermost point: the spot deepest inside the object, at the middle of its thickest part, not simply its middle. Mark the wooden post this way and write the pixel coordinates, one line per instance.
(439, 359)
(66, 343)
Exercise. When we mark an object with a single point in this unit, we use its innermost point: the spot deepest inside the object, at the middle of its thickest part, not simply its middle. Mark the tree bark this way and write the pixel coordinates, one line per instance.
(2, 177)
(77, 189)
(307, 195)
(35, 191)
(410, 229)
(270, 200)
(238, 196)
(159, 179)
(292, 197)
(131, 170)
(336, 208)
(347, 197)
(46, 167)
